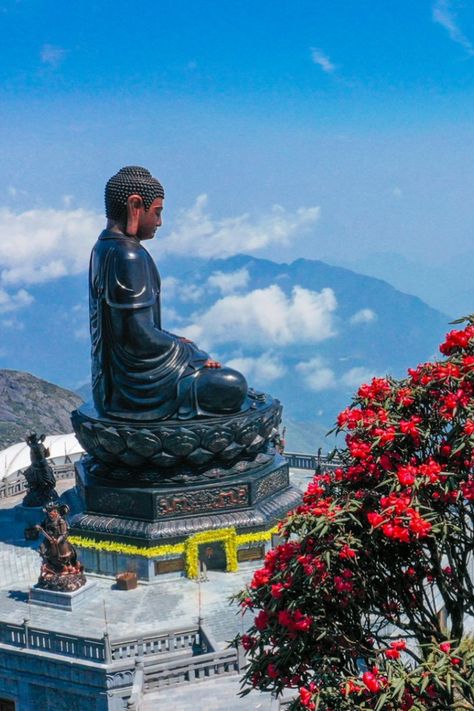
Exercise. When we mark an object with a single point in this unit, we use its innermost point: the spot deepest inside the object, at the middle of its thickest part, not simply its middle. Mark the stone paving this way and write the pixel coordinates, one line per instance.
(156, 607)
(214, 694)
(147, 609)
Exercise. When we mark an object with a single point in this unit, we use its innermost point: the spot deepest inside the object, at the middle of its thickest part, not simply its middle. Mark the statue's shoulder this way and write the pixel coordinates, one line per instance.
(131, 278)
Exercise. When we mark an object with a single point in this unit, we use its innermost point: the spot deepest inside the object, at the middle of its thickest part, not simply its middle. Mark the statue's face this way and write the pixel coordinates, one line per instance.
(149, 220)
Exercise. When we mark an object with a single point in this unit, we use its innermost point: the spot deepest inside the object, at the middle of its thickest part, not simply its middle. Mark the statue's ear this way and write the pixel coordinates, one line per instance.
(134, 208)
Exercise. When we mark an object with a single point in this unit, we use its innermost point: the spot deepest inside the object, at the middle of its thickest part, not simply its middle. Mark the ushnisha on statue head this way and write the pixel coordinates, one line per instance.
(133, 202)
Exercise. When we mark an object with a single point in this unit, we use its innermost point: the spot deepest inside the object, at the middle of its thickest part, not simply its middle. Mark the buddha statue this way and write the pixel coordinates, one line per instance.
(141, 372)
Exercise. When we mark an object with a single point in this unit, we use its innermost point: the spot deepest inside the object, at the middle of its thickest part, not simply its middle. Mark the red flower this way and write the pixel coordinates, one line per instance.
(277, 590)
(260, 577)
(407, 475)
(418, 525)
(350, 687)
(370, 679)
(272, 671)
(398, 644)
(347, 552)
(284, 618)
(248, 642)
(306, 699)
(261, 621)
(467, 488)
(410, 427)
(375, 519)
(469, 427)
(405, 397)
(457, 340)
(377, 390)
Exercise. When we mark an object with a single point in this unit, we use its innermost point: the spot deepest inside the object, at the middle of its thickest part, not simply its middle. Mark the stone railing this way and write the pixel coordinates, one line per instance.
(67, 645)
(174, 644)
(175, 641)
(15, 484)
(300, 460)
(182, 670)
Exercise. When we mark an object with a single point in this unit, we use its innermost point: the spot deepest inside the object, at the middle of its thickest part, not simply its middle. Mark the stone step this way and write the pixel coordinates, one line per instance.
(217, 694)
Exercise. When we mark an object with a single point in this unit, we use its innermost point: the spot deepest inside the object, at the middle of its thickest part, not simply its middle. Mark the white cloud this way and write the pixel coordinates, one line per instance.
(357, 376)
(13, 323)
(264, 368)
(322, 60)
(82, 333)
(170, 316)
(52, 55)
(444, 15)
(267, 316)
(174, 289)
(43, 244)
(14, 301)
(363, 316)
(198, 233)
(316, 374)
(229, 282)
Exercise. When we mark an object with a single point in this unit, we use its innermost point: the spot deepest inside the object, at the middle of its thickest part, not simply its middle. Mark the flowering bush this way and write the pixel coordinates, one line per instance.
(364, 603)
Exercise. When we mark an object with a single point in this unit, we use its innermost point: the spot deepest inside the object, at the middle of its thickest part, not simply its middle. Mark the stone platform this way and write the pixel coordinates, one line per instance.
(160, 530)
(61, 600)
(254, 495)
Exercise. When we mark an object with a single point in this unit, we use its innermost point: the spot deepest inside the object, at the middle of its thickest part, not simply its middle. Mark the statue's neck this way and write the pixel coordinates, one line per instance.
(118, 228)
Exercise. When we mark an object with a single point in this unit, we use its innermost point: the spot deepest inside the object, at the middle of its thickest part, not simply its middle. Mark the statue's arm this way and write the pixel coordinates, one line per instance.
(136, 331)
(62, 530)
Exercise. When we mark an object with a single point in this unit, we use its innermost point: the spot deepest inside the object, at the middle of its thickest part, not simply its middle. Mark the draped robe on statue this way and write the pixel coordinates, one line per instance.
(130, 381)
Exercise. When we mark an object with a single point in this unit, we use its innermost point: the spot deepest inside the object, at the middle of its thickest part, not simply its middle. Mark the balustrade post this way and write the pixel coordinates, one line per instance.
(107, 648)
(26, 628)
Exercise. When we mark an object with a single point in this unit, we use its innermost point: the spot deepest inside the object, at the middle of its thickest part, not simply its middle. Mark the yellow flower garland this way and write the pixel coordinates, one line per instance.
(126, 548)
(190, 547)
(259, 537)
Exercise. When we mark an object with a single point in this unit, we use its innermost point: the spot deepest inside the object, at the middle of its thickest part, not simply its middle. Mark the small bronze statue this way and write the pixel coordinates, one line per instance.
(60, 569)
(40, 480)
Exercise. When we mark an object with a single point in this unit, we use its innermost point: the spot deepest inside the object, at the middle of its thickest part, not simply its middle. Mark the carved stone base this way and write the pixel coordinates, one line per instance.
(60, 599)
(61, 582)
(158, 450)
(254, 496)
(250, 496)
(143, 533)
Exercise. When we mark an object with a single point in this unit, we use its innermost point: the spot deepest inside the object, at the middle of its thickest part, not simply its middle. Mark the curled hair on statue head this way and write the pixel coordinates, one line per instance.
(131, 180)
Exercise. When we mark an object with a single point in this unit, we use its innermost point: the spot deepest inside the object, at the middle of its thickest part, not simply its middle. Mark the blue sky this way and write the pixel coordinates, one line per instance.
(363, 110)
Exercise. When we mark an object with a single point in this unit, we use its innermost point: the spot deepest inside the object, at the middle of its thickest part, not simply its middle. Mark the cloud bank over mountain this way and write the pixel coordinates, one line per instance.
(196, 232)
(267, 316)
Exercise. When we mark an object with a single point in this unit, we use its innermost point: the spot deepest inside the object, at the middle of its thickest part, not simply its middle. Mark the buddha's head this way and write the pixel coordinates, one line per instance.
(134, 201)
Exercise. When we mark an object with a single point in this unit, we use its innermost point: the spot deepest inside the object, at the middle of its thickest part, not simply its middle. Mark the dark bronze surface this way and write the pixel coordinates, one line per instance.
(176, 443)
(170, 450)
(40, 480)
